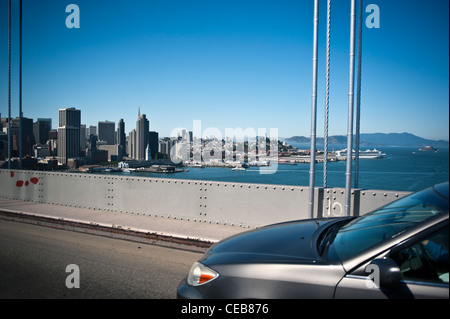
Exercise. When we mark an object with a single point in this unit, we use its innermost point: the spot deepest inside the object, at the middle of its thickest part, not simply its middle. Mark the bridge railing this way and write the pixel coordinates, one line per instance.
(238, 204)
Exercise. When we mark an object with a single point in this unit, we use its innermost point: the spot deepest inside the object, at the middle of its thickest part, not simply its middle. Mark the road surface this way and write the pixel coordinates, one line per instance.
(33, 261)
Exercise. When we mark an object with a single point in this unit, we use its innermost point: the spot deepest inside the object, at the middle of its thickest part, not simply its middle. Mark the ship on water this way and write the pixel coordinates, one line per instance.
(367, 154)
(428, 148)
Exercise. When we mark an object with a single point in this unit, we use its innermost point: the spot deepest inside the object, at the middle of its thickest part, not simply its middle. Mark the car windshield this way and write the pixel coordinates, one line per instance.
(387, 222)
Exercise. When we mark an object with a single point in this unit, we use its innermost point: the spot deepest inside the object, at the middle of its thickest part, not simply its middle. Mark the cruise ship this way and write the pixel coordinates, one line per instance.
(369, 154)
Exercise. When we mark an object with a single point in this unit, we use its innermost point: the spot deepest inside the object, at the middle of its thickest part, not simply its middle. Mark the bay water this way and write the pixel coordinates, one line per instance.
(403, 169)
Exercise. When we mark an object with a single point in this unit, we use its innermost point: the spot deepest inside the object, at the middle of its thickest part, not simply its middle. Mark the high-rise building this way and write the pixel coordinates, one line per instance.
(132, 144)
(27, 136)
(142, 132)
(153, 142)
(83, 140)
(41, 128)
(92, 130)
(47, 120)
(121, 136)
(3, 145)
(106, 132)
(165, 145)
(53, 141)
(69, 134)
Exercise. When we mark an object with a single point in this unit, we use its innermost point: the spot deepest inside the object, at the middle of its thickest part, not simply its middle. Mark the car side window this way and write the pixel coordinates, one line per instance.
(426, 259)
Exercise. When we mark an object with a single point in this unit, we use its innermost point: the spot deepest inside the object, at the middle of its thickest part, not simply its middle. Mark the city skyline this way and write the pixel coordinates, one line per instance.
(229, 65)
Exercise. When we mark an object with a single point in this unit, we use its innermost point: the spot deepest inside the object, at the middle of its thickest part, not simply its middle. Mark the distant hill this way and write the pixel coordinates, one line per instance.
(371, 140)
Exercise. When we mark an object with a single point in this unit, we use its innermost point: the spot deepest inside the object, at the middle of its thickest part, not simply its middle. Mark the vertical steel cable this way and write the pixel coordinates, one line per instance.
(313, 111)
(358, 95)
(327, 83)
(20, 87)
(348, 173)
(9, 84)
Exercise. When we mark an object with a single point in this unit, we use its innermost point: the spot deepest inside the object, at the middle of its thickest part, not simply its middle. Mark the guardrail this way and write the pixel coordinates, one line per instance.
(237, 204)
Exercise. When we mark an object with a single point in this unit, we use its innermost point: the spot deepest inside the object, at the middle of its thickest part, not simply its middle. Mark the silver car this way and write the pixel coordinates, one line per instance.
(397, 251)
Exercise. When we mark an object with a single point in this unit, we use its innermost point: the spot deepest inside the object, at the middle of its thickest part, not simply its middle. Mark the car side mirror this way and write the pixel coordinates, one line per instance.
(385, 272)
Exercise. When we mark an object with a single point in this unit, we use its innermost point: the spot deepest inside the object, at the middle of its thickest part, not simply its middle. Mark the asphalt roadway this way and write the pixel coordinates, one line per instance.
(34, 261)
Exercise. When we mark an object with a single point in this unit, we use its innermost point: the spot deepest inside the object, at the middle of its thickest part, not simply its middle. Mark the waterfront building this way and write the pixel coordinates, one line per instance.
(114, 152)
(97, 156)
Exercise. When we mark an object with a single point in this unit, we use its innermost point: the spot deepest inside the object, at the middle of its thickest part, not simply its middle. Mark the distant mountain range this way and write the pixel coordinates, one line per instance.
(370, 140)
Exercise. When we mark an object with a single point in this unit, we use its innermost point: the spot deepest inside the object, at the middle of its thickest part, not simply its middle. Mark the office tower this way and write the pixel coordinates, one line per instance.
(47, 120)
(27, 136)
(165, 145)
(132, 144)
(41, 128)
(53, 142)
(121, 137)
(53, 135)
(83, 140)
(153, 141)
(106, 132)
(92, 130)
(69, 134)
(142, 131)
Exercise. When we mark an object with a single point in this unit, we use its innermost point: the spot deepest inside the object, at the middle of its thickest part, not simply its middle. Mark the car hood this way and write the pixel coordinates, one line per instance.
(290, 241)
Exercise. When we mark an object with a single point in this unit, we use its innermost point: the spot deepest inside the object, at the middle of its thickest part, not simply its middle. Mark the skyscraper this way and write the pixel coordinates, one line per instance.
(69, 134)
(142, 132)
(41, 128)
(131, 149)
(83, 132)
(153, 139)
(106, 132)
(92, 130)
(27, 136)
(121, 136)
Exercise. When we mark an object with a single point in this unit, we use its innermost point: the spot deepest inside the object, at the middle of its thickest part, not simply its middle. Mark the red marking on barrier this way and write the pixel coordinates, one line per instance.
(19, 183)
(27, 183)
(12, 174)
(34, 180)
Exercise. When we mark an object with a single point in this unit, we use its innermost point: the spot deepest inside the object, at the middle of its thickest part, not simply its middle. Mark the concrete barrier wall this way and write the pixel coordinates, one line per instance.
(238, 204)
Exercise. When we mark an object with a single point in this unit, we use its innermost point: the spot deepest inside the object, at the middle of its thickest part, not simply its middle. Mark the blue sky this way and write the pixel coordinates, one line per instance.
(230, 64)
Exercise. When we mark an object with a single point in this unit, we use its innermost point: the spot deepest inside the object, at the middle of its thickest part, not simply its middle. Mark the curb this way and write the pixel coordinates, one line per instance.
(110, 230)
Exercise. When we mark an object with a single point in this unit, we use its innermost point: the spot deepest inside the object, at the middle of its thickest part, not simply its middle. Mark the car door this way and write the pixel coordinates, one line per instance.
(422, 265)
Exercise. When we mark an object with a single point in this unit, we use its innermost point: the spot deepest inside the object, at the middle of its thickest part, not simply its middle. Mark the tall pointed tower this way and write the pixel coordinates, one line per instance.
(142, 132)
